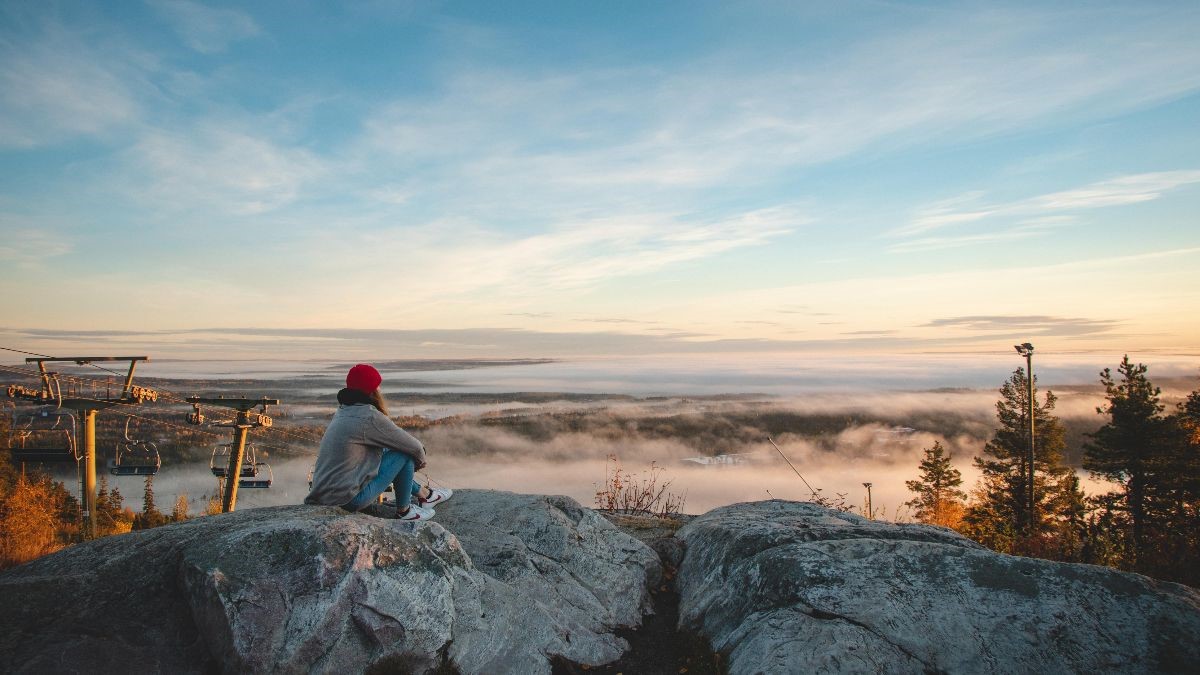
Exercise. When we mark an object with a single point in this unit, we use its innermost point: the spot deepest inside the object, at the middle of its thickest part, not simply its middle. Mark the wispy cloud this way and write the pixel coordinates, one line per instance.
(591, 136)
(28, 246)
(1116, 192)
(55, 86)
(1047, 209)
(1021, 219)
(1022, 231)
(217, 169)
(469, 260)
(207, 29)
(490, 179)
(1033, 325)
(618, 320)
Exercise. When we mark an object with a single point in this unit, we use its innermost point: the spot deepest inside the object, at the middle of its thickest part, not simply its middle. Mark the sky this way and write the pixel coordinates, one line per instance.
(546, 178)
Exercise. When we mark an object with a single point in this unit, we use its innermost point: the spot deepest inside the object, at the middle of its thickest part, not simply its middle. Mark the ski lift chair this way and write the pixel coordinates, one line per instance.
(46, 435)
(138, 458)
(219, 464)
(134, 457)
(259, 479)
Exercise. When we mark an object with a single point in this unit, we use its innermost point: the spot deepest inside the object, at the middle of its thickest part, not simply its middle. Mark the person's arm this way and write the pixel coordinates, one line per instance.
(385, 433)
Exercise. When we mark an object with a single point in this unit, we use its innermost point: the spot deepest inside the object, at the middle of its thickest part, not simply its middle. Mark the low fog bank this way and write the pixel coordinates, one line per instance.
(575, 464)
(838, 441)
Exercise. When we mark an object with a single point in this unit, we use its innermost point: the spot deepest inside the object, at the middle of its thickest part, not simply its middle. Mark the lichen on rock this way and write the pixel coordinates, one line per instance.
(794, 587)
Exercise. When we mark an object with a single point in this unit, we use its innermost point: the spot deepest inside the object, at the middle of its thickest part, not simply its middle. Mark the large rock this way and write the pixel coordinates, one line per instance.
(575, 578)
(793, 587)
(312, 589)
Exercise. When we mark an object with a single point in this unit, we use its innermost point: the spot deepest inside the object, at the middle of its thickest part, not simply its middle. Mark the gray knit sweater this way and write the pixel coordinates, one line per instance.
(350, 452)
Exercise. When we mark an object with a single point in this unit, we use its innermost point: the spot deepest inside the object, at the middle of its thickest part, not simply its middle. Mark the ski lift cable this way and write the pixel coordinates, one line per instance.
(152, 420)
(183, 427)
(167, 395)
(789, 463)
(81, 381)
(22, 351)
(170, 396)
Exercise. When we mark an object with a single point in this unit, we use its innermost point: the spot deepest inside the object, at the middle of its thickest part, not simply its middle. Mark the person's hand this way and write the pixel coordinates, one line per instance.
(421, 465)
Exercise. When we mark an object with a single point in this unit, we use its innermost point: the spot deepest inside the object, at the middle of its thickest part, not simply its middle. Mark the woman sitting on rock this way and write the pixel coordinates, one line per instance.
(363, 451)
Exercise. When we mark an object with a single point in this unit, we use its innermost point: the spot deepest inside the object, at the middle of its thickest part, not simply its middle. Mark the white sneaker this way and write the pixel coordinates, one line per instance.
(436, 496)
(416, 513)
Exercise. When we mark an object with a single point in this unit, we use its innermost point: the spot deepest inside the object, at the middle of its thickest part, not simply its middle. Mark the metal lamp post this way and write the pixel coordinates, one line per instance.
(1026, 350)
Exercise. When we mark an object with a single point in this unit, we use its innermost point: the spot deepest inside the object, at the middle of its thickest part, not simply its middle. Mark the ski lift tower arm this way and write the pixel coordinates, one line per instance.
(128, 391)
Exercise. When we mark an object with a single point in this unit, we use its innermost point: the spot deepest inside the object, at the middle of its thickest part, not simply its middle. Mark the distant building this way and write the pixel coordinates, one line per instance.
(735, 459)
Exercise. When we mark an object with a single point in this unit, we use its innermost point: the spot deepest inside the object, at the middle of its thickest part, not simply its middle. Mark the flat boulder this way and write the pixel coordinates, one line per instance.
(794, 587)
(298, 589)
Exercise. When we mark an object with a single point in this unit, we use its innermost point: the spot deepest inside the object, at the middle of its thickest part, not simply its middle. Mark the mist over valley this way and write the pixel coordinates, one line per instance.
(565, 425)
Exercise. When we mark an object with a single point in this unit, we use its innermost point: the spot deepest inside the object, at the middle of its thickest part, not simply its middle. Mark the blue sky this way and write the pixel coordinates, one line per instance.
(499, 178)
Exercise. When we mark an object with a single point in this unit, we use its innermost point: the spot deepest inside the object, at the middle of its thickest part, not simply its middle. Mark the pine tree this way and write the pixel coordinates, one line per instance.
(999, 514)
(150, 515)
(116, 501)
(102, 512)
(1071, 530)
(111, 515)
(1177, 505)
(148, 496)
(1185, 464)
(938, 501)
(1130, 448)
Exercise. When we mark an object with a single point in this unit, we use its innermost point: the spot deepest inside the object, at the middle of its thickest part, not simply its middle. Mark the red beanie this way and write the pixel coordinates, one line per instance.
(363, 378)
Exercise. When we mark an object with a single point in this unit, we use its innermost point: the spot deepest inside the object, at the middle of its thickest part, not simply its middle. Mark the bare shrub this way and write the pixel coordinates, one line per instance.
(637, 494)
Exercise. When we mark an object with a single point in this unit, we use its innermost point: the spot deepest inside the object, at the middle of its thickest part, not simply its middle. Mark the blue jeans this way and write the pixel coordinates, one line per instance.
(395, 468)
